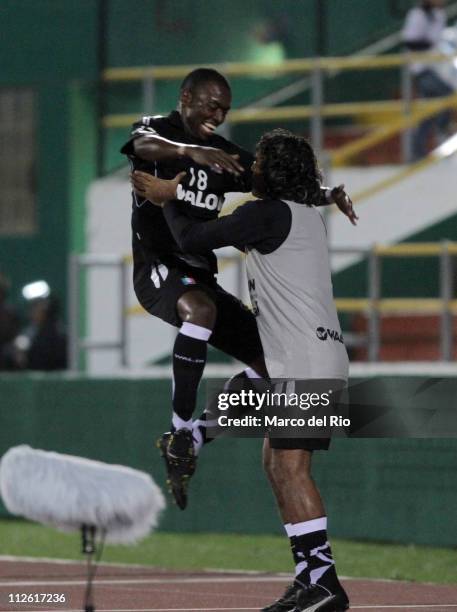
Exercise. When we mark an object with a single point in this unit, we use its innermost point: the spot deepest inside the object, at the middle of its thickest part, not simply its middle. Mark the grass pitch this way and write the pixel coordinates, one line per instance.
(237, 552)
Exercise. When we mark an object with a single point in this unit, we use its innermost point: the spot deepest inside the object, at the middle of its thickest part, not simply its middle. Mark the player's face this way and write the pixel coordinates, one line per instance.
(258, 182)
(205, 108)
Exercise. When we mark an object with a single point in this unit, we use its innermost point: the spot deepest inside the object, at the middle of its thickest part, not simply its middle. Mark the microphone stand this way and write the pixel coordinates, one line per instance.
(89, 548)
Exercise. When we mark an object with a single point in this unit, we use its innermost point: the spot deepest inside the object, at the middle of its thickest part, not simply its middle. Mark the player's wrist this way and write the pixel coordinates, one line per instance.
(182, 152)
(185, 150)
(329, 195)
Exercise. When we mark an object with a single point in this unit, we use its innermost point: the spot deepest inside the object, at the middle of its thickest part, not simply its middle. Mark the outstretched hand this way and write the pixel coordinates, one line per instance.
(154, 189)
(217, 159)
(344, 203)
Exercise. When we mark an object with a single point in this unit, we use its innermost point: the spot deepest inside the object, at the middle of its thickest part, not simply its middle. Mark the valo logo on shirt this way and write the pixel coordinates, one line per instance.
(200, 180)
(324, 333)
(211, 201)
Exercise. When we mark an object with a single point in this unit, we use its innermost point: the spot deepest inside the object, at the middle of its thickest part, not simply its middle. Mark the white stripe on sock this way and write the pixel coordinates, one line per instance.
(195, 331)
(300, 567)
(316, 574)
(318, 549)
(179, 423)
(298, 529)
(208, 423)
(197, 437)
(250, 373)
(288, 528)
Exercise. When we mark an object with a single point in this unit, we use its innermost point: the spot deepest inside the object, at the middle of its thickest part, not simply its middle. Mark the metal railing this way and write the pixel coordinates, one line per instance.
(77, 341)
(373, 306)
(407, 113)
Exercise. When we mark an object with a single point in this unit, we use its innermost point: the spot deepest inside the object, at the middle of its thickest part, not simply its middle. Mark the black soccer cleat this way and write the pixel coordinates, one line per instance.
(316, 598)
(287, 602)
(177, 450)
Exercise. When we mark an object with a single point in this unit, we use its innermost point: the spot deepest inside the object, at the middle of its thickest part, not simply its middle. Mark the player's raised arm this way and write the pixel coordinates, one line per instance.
(245, 226)
(153, 147)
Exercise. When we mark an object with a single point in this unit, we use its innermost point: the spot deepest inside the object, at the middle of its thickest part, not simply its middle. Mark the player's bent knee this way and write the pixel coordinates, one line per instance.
(198, 308)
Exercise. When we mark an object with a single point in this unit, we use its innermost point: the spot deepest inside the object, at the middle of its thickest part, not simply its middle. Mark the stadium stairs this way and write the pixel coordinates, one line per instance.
(405, 338)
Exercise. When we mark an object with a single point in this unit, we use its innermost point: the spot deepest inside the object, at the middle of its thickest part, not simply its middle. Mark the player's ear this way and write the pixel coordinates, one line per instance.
(185, 97)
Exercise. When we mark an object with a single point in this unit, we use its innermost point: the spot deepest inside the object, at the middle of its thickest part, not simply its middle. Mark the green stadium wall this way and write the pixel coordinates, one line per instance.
(393, 490)
(47, 46)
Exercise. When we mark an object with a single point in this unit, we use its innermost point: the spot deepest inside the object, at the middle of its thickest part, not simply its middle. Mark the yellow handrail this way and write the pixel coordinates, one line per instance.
(395, 305)
(421, 109)
(419, 113)
(409, 249)
(287, 113)
(364, 305)
(383, 184)
(234, 69)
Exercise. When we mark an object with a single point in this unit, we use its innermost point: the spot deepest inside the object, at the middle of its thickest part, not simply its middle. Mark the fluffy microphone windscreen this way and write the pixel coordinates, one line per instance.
(67, 492)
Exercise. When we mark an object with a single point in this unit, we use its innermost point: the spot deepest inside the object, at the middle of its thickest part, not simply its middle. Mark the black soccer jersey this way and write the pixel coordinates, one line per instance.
(201, 192)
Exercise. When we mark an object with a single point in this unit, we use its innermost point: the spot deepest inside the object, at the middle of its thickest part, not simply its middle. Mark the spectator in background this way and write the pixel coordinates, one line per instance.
(9, 321)
(423, 29)
(42, 345)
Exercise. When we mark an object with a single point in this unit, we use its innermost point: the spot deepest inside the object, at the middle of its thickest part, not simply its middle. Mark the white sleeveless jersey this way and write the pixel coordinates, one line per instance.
(292, 297)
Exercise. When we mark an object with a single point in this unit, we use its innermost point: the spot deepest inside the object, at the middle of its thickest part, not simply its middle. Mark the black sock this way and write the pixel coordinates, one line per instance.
(313, 556)
(189, 359)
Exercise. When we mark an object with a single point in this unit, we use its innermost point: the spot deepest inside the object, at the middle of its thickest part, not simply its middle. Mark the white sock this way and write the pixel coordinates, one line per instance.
(298, 529)
(179, 423)
(197, 436)
(303, 529)
(195, 331)
(250, 373)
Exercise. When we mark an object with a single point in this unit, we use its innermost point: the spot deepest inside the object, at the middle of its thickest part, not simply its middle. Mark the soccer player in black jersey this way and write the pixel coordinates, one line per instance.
(180, 288)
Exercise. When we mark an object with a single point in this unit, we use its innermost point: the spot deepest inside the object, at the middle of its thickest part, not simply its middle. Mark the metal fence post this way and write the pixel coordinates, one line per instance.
(78, 344)
(148, 95)
(407, 97)
(374, 287)
(446, 290)
(317, 100)
(73, 313)
(123, 313)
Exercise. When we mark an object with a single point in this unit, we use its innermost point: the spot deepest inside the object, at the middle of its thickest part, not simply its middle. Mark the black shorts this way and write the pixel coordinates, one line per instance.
(339, 405)
(158, 288)
(309, 444)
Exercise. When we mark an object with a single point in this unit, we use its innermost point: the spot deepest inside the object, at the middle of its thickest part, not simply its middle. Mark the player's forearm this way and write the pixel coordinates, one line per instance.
(326, 197)
(196, 236)
(156, 148)
(184, 230)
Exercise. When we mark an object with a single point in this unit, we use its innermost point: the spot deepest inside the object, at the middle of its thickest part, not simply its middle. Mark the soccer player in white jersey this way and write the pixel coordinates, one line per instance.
(287, 260)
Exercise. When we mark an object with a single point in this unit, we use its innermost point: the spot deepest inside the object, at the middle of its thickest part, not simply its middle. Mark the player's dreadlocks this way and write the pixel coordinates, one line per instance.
(203, 75)
(289, 167)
